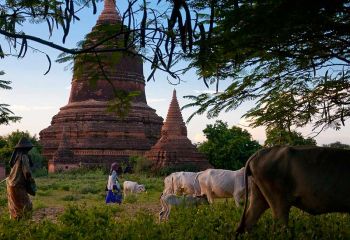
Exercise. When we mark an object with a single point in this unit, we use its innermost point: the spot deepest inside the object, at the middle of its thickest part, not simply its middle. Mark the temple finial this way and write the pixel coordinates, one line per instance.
(174, 93)
(109, 13)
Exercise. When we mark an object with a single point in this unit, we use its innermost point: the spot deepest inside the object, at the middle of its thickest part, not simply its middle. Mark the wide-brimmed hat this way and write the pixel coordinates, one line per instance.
(24, 143)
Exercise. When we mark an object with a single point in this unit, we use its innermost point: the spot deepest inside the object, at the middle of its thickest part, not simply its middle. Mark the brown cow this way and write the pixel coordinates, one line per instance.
(314, 179)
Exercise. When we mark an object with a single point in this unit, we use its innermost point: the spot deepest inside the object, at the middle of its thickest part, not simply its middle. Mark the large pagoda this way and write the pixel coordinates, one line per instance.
(174, 148)
(84, 132)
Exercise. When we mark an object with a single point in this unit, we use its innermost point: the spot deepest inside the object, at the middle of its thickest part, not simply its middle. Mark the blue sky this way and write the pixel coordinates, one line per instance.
(37, 98)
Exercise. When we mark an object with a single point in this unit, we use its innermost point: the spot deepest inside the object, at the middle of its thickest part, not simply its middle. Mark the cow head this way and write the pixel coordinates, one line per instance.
(202, 200)
(141, 188)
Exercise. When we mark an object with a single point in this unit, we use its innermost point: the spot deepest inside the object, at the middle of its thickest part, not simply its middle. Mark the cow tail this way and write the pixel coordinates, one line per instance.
(247, 172)
(196, 184)
(172, 184)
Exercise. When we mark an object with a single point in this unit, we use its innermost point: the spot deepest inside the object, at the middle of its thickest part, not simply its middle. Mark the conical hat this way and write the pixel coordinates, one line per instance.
(24, 143)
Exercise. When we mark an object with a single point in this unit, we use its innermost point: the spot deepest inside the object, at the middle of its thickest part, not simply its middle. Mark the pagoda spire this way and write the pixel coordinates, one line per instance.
(109, 13)
(174, 123)
(174, 148)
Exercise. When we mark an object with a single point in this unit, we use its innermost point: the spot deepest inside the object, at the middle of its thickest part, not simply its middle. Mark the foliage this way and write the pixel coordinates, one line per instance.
(140, 164)
(89, 218)
(291, 57)
(337, 145)
(155, 30)
(227, 148)
(6, 115)
(82, 222)
(276, 136)
(8, 143)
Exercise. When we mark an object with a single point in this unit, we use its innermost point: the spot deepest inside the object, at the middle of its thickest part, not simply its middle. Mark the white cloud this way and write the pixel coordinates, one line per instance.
(24, 108)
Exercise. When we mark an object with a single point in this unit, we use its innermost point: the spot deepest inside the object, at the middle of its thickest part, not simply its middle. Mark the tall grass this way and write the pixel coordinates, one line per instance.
(86, 216)
(206, 222)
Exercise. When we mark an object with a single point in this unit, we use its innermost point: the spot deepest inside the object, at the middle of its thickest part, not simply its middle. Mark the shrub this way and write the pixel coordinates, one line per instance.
(3, 201)
(65, 187)
(40, 172)
(44, 192)
(71, 198)
(89, 189)
(131, 198)
(141, 164)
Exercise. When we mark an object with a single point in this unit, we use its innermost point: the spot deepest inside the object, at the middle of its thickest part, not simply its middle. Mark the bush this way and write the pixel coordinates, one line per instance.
(131, 198)
(65, 187)
(40, 172)
(89, 189)
(141, 164)
(71, 198)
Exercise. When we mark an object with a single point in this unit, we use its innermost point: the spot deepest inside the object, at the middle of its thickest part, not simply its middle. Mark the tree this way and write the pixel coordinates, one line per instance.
(8, 143)
(276, 136)
(149, 31)
(337, 144)
(145, 27)
(291, 57)
(6, 115)
(227, 148)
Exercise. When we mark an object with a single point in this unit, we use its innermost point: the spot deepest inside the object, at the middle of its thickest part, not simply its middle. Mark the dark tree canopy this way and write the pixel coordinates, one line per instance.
(291, 57)
(8, 143)
(6, 115)
(227, 148)
(276, 136)
(337, 145)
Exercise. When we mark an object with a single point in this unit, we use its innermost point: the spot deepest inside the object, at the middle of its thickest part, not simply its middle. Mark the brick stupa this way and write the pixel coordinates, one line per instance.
(83, 132)
(174, 148)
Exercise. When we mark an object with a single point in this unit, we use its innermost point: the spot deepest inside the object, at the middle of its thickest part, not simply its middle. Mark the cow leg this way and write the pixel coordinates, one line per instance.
(237, 198)
(280, 210)
(257, 206)
(161, 214)
(279, 203)
(167, 213)
(162, 211)
(210, 197)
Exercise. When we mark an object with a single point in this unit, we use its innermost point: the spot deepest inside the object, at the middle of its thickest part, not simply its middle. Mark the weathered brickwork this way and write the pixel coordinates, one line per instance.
(174, 147)
(83, 132)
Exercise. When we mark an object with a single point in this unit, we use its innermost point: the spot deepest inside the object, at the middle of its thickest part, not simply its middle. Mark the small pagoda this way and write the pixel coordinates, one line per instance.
(174, 148)
(84, 133)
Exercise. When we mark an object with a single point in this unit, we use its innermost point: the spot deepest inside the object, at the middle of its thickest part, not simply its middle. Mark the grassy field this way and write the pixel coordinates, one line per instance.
(71, 206)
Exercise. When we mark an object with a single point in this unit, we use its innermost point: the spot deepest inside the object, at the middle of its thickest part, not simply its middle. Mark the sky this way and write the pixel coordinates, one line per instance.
(37, 97)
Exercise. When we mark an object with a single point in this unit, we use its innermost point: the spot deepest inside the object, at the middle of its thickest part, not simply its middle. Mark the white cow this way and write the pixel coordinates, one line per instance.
(169, 200)
(180, 183)
(219, 183)
(132, 187)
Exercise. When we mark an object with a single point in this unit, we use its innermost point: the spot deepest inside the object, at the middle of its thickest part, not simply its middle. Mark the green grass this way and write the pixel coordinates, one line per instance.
(86, 215)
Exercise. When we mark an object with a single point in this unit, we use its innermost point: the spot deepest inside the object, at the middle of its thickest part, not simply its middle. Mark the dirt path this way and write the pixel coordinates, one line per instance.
(130, 210)
(49, 213)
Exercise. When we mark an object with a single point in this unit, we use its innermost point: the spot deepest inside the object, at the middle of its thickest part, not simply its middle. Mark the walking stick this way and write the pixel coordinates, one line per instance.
(3, 180)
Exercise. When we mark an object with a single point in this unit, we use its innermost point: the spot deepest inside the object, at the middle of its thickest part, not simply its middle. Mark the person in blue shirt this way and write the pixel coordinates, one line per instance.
(113, 187)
